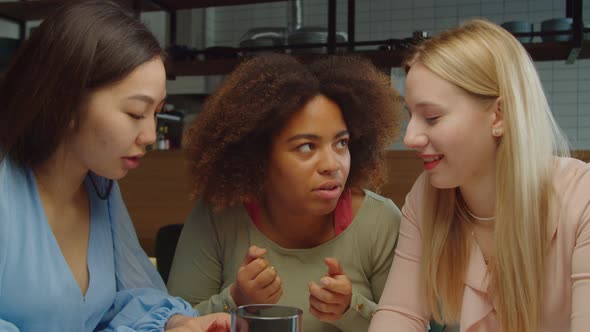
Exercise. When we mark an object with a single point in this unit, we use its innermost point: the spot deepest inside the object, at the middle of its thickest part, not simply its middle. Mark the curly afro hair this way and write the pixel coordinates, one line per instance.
(228, 144)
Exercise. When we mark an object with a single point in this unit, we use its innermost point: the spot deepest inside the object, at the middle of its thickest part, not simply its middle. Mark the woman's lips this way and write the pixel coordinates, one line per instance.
(328, 193)
(131, 162)
(431, 162)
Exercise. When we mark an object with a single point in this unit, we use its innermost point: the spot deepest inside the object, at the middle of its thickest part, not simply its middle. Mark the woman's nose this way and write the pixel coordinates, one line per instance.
(147, 135)
(415, 137)
(329, 162)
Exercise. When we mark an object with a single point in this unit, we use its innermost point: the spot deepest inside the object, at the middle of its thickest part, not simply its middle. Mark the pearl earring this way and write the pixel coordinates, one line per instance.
(496, 132)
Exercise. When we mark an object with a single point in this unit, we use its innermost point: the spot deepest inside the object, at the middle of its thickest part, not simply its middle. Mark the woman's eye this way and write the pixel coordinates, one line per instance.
(135, 116)
(342, 143)
(305, 147)
(432, 119)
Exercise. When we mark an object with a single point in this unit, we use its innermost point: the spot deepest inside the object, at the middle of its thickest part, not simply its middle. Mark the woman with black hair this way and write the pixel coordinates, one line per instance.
(78, 110)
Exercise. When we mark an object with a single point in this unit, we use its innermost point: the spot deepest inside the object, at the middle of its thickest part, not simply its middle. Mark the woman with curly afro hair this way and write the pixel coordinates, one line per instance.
(283, 158)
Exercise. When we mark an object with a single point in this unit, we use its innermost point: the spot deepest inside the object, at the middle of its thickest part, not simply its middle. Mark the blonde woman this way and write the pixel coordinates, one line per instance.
(495, 234)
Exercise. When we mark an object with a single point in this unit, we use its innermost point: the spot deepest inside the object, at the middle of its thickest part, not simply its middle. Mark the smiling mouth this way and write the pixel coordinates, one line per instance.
(433, 158)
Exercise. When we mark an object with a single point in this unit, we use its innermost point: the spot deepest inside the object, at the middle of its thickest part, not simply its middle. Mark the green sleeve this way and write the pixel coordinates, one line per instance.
(383, 239)
(196, 272)
(217, 303)
(358, 316)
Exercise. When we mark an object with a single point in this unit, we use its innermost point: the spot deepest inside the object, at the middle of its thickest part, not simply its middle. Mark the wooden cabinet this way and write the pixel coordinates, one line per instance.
(157, 194)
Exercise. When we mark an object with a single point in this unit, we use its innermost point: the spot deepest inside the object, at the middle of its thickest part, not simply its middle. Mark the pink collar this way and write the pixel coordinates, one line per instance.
(342, 212)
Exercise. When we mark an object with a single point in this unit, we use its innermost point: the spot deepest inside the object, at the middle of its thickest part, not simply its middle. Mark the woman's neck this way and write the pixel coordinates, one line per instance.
(60, 178)
(294, 229)
(480, 195)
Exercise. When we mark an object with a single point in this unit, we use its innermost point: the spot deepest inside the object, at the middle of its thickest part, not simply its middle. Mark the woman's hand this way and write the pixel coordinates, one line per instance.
(329, 302)
(219, 322)
(257, 282)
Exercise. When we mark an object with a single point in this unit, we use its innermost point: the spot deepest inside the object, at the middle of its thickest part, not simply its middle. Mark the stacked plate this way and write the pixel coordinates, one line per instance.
(312, 35)
(264, 32)
(519, 27)
(263, 37)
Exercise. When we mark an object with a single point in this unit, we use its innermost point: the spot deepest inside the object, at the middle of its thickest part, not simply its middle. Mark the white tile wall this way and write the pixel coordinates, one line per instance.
(8, 29)
(567, 86)
(158, 23)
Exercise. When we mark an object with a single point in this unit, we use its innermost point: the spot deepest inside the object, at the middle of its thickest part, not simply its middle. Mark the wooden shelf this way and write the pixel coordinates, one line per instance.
(225, 66)
(556, 50)
(23, 10)
(188, 4)
(538, 51)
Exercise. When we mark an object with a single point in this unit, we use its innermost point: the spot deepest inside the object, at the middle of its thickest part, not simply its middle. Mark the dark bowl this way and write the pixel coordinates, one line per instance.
(557, 24)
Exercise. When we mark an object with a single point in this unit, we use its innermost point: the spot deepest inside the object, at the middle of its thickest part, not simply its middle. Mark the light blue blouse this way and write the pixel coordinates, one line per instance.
(38, 291)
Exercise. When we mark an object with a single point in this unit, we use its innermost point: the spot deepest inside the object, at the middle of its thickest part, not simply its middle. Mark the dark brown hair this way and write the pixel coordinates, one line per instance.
(82, 46)
(228, 144)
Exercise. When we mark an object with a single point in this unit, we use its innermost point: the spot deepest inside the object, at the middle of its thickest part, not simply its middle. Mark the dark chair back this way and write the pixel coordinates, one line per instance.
(435, 327)
(166, 241)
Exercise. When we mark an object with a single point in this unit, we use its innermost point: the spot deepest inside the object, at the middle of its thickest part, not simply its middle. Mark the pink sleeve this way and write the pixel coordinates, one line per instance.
(580, 200)
(401, 307)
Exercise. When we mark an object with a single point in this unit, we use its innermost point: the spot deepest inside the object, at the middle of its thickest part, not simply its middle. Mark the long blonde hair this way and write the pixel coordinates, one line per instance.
(488, 62)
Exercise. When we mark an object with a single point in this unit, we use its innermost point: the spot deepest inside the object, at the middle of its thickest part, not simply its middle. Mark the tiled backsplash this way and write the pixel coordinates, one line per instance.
(567, 86)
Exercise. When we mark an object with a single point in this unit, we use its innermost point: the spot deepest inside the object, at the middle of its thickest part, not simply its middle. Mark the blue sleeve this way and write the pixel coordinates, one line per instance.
(7, 327)
(143, 310)
(142, 302)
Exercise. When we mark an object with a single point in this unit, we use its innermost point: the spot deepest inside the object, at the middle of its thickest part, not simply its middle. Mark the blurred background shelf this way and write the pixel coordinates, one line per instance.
(27, 10)
(22, 11)
(547, 51)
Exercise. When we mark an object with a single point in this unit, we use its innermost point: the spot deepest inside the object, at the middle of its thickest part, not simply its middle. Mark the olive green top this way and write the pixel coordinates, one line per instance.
(213, 244)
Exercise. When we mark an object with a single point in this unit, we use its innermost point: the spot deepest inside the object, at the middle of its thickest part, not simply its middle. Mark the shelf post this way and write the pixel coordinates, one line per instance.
(331, 26)
(22, 30)
(137, 8)
(574, 10)
(351, 24)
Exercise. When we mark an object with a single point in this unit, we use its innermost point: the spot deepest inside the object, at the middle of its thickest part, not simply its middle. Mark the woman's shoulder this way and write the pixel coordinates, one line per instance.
(570, 202)
(376, 208)
(570, 174)
(376, 222)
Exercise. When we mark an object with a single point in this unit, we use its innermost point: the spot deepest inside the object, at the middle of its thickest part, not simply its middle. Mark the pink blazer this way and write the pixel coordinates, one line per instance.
(566, 304)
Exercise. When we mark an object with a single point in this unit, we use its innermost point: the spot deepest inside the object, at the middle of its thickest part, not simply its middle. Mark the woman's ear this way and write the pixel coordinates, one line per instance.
(497, 118)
